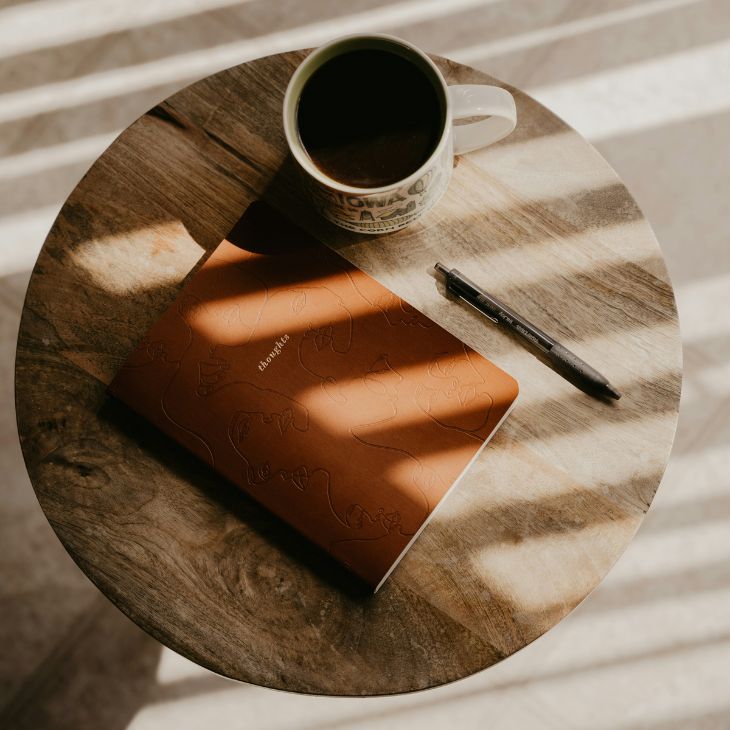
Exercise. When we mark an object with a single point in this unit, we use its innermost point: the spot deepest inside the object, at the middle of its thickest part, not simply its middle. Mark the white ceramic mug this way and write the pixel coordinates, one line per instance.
(391, 207)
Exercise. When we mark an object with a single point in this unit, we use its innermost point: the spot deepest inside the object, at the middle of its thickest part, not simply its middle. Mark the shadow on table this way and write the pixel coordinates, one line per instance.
(228, 498)
(111, 665)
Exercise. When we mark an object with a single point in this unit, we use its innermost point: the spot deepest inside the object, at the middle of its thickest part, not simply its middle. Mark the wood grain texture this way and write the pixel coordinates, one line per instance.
(540, 219)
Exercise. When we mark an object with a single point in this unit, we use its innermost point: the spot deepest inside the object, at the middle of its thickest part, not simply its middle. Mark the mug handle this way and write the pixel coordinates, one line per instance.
(471, 100)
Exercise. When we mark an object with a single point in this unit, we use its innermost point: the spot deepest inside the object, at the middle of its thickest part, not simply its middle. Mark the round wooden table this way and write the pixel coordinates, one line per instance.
(540, 219)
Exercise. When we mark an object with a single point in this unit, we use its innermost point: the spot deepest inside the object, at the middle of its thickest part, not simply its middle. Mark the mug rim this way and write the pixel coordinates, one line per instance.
(292, 135)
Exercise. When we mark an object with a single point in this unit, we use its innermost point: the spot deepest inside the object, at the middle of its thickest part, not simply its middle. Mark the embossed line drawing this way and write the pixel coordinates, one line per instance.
(361, 422)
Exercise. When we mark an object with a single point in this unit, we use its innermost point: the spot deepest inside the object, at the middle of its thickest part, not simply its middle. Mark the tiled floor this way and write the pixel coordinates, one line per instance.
(649, 83)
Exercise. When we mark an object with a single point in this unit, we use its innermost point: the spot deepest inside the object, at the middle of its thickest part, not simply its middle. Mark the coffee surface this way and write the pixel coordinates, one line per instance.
(369, 118)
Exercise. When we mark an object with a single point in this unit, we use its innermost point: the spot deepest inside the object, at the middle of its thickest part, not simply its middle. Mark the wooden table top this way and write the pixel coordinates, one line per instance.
(540, 219)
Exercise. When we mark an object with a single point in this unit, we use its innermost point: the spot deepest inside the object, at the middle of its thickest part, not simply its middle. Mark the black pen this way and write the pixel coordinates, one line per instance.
(568, 364)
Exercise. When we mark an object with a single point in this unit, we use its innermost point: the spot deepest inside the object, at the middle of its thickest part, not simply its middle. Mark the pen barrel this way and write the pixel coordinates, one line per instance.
(496, 310)
(565, 362)
(568, 361)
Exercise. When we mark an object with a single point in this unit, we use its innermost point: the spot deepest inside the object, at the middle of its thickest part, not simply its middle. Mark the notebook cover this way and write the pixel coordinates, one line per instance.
(316, 390)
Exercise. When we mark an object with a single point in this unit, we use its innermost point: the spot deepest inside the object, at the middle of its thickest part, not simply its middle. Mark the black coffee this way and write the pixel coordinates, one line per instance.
(369, 118)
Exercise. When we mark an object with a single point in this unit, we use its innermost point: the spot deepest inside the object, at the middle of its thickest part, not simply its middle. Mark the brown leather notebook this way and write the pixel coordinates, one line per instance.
(317, 391)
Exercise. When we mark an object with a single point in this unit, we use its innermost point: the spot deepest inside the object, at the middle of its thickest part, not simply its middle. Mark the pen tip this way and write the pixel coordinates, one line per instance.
(440, 268)
(612, 391)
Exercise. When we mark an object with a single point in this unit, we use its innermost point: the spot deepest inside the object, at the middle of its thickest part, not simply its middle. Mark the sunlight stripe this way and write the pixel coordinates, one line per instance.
(42, 159)
(482, 51)
(188, 66)
(21, 237)
(670, 555)
(703, 307)
(47, 23)
(175, 668)
(645, 95)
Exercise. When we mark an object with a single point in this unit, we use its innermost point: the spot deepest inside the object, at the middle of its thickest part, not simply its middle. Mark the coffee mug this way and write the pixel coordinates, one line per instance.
(392, 207)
